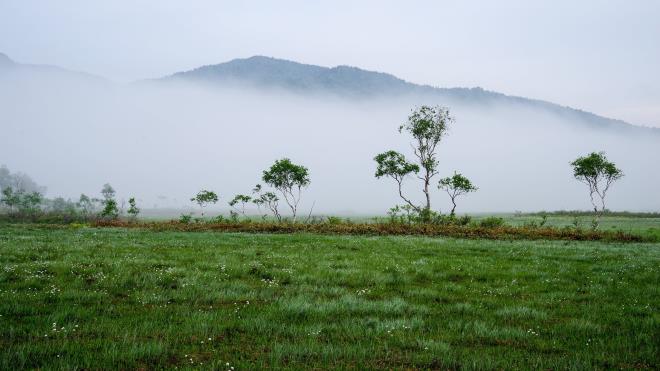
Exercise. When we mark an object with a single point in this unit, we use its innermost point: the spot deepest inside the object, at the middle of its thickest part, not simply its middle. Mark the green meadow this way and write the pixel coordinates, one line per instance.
(111, 298)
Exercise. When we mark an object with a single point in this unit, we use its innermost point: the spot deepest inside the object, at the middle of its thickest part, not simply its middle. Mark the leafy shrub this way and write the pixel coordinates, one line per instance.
(491, 222)
(218, 219)
(464, 220)
(185, 218)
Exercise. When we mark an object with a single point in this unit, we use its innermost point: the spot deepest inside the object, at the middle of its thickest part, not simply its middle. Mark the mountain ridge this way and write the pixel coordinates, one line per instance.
(353, 82)
(344, 81)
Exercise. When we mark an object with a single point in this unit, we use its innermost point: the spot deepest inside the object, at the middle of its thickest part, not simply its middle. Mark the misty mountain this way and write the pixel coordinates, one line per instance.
(219, 127)
(261, 72)
(20, 72)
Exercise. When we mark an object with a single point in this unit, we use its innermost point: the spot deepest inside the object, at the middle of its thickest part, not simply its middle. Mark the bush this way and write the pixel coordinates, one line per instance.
(491, 222)
(185, 218)
(464, 220)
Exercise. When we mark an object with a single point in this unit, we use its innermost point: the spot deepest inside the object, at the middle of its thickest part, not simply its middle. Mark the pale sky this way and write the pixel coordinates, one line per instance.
(598, 55)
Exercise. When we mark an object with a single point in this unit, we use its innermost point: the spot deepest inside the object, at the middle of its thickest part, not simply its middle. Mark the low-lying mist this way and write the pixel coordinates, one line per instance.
(163, 142)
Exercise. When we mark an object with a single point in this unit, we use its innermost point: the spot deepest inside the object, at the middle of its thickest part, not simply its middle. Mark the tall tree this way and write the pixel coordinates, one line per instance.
(427, 125)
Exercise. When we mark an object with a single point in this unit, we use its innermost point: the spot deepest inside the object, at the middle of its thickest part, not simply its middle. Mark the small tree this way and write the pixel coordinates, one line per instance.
(598, 174)
(256, 199)
(269, 200)
(203, 198)
(133, 210)
(455, 186)
(394, 165)
(289, 179)
(86, 205)
(242, 200)
(30, 203)
(110, 208)
(10, 198)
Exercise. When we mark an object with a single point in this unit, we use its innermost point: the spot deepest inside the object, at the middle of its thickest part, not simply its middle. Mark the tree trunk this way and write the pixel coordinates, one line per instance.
(427, 211)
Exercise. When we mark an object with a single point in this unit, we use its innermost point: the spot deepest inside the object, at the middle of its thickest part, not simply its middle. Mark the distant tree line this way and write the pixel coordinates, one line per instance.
(22, 199)
(426, 127)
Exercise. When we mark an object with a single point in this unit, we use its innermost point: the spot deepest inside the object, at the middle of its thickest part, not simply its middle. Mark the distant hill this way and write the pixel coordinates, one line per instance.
(354, 83)
(10, 68)
(5, 61)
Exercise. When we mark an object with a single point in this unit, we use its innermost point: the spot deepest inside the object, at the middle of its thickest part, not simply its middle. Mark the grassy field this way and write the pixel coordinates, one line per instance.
(629, 224)
(87, 298)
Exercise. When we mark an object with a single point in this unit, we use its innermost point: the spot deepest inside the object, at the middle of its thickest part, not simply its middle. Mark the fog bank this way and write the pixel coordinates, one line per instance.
(163, 142)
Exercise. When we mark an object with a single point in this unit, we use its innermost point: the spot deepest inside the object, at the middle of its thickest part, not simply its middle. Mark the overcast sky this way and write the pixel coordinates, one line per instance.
(599, 55)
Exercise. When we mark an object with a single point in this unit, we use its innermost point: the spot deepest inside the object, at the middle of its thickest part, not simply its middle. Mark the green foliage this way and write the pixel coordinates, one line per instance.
(10, 198)
(394, 165)
(285, 175)
(20, 203)
(133, 210)
(185, 218)
(405, 214)
(110, 209)
(492, 222)
(455, 186)
(289, 179)
(268, 200)
(537, 224)
(598, 173)
(595, 166)
(204, 198)
(334, 220)
(241, 200)
(427, 126)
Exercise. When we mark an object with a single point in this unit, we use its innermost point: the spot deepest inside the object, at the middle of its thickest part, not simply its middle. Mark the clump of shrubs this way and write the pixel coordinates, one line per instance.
(21, 205)
(491, 222)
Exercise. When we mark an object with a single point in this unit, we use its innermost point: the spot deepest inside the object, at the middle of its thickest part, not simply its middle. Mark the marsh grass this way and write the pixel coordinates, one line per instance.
(497, 231)
(117, 298)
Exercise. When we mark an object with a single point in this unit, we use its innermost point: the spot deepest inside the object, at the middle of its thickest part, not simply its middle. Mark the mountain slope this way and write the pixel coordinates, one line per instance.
(350, 82)
(14, 70)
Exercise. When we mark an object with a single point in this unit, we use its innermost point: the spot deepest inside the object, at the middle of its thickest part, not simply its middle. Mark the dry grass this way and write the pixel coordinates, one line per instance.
(381, 229)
